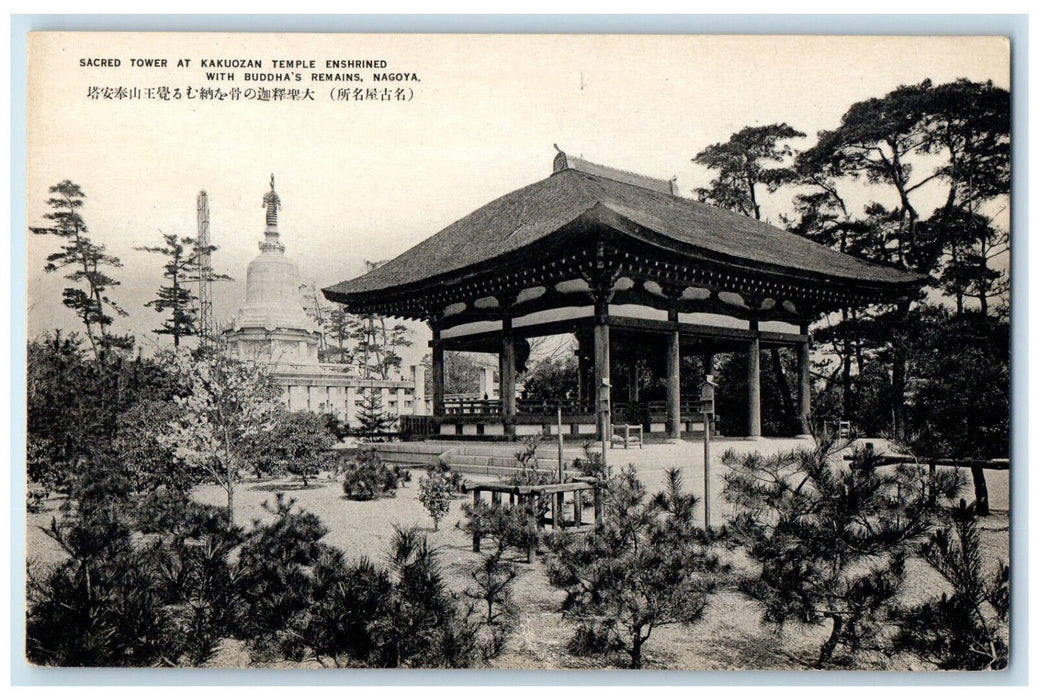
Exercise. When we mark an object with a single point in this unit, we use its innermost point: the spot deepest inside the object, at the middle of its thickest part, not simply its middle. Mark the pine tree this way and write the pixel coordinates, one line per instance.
(966, 630)
(86, 260)
(647, 565)
(373, 417)
(181, 269)
(831, 540)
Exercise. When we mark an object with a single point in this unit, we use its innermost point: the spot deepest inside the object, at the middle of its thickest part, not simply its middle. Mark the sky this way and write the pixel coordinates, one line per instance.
(367, 180)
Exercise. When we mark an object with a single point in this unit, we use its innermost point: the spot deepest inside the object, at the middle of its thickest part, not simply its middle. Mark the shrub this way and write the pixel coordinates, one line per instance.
(276, 560)
(34, 498)
(504, 525)
(121, 600)
(644, 567)
(422, 626)
(455, 480)
(348, 601)
(102, 606)
(307, 601)
(492, 586)
(298, 442)
(831, 540)
(592, 464)
(367, 477)
(147, 461)
(435, 495)
(202, 582)
(966, 630)
(491, 591)
(170, 598)
(530, 473)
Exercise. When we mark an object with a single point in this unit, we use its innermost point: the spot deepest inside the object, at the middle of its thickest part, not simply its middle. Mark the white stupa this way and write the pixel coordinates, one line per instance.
(272, 325)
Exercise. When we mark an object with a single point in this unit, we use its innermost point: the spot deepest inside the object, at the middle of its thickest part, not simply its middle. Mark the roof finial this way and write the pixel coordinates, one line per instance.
(559, 162)
(272, 202)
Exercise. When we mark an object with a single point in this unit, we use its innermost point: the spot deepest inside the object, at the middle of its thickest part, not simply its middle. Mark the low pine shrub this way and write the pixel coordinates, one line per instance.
(503, 525)
(103, 606)
(367, 477)
(967, 628)
(830, 539)
(647, 565)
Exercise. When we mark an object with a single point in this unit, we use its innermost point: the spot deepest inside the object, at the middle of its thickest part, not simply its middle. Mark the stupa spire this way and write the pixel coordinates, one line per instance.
(272, 202)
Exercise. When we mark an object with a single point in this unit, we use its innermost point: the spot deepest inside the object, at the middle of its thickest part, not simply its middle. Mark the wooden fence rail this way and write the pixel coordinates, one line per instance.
(977, 471)
(531, 496)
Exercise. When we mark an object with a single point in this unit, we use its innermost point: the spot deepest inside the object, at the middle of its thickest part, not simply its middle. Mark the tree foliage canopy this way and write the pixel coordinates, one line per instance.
(644, 567)
(87, 263)
(831, 540)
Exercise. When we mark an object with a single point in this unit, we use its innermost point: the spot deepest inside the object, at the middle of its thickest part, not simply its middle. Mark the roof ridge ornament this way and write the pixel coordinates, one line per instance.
(564, 162)
(559, 164)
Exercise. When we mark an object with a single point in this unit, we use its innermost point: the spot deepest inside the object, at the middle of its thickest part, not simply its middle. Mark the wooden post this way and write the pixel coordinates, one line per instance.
(980, 489)
(557, 510)
(754, 384)
(602, 375)
(476, 531)
(578, 495)
(674, 383)
(507, 375)
(597, 503)
(532, 524)
(706, 472)
(438, 371)
(804, 386)
(559, 439)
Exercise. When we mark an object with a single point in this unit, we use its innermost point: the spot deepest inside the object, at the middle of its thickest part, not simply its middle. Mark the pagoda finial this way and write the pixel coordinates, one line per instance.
(273, 204)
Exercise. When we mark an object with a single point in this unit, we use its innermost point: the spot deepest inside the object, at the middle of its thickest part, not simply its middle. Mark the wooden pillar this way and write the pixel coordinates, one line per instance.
(633, 380)
(601, 340)
(804, 386)
(708, 363)
(438, 371)
(754, 384)
(476, 531)
(602, 294)
(582, 370)
(533, 525)
(674, 384)
(507, 375)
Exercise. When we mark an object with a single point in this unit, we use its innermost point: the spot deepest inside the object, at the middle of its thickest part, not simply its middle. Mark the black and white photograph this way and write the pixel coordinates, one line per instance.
(560, 352)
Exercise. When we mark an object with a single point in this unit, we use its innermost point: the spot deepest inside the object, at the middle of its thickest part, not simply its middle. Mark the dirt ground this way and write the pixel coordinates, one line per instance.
(729, 637)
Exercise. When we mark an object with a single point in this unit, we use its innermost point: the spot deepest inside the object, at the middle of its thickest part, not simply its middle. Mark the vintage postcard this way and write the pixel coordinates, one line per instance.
(518, 351)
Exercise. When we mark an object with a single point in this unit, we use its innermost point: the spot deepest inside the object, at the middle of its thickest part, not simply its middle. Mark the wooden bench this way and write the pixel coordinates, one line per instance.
(627, 434)
(530, 497)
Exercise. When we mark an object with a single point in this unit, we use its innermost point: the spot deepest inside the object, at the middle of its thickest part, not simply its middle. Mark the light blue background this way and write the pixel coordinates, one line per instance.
(1013, 26)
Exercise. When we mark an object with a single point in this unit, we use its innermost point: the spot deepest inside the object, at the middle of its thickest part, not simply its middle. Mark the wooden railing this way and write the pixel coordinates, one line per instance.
(492, 407)
(479, 407)
(531, 497)
(569, 406)
(977, 471)
(417, 426)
